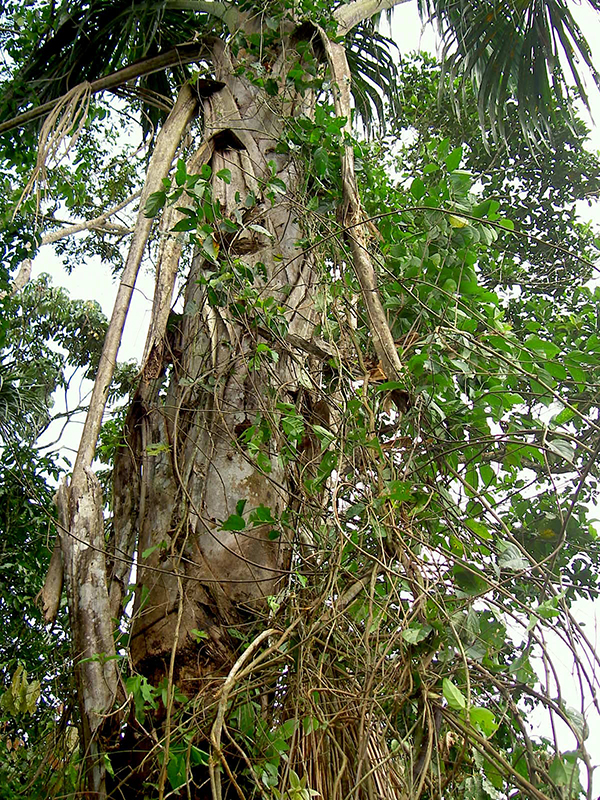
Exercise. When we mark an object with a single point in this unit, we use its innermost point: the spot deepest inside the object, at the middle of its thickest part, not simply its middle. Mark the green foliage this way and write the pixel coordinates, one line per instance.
(514, 51)
(35, 674)
(21, 696)
(47, 338)
(436, 526)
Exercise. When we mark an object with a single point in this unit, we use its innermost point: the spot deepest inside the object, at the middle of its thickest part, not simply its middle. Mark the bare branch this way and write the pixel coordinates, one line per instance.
(350, 15)
(226, 12)
(184, 54)
(80, 504)
(354, 217)
(166, 145)
(98, 223)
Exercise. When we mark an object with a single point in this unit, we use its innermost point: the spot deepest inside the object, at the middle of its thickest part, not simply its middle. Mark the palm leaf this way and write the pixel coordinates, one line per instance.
(96, 39)
(374, 74)
(515, 49)
(23, 403)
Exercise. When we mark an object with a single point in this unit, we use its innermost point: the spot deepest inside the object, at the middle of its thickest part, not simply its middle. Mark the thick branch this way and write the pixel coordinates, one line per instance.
(226, 12)
(184, 54)
(352, 14)
(166, 273)
(354, 220)
(98, 223)
(166, 145)
(80, 504)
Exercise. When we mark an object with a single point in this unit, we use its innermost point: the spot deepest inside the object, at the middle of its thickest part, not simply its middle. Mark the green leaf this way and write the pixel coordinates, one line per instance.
(22, 695)
(325, 436)
(400, 490)
(186, 224)
(483, 719)
(564, 416)
(240, 506)
(176, 770)
(260, 229)
(454, 159)
(547, 349)
(154, 203)
(470, 580)
(234, 523)
(479, 528)
(578, 722)
(262, 515)
(199, 757)
(416, 633)
(180, 172)
(453, 696)
(562, 448)
(247, 719)
(417, 188)
(224, 175)
(511, 557)
(277, 185)
(321, 161)
(210, 248)
(558, 772)
(506, 223)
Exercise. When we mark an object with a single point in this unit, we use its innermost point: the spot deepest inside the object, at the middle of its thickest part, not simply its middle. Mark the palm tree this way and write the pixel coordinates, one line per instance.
(210, 482)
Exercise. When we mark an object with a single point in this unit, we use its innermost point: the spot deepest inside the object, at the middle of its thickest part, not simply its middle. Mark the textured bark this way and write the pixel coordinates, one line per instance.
(186, 463)
(80, 504)
(191, 487)
(353, 218)
(167, 143)
(82, 543)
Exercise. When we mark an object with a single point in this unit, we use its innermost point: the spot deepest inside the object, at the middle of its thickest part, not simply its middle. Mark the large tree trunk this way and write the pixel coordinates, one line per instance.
(186, 463)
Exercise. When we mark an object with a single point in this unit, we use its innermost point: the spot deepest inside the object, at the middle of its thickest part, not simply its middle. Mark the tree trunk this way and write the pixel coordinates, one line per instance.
(204, 393)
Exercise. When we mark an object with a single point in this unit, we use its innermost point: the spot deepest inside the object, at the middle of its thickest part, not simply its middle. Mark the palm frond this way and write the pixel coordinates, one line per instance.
(96, 39)
(523, 49)
(23, 404)
(374, 74)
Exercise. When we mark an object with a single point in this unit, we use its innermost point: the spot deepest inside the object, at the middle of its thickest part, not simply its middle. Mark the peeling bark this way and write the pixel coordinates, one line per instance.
(51, 591)
(82, 543)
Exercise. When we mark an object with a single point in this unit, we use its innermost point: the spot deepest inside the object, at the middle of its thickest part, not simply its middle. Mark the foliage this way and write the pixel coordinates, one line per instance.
(438, 524)
(32, 734)
(515, 52)
(48, 339)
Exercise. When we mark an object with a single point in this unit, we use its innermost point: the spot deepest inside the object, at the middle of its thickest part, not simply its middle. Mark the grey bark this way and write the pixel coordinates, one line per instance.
(80, 504)
(192, 485)
(353, 217)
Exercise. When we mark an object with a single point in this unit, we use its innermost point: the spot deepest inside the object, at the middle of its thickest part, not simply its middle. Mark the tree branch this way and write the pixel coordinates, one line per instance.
(226, 12)
(350, 15)
(353, 217)
(98, 223)
(183, 54)
(166, 145)
(80, 504)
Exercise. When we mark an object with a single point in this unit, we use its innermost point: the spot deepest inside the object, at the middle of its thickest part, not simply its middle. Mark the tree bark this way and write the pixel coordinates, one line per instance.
(205, 393)
(80, 504)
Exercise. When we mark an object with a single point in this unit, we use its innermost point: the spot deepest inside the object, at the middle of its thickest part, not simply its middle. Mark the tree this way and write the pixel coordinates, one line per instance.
(339, 436)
